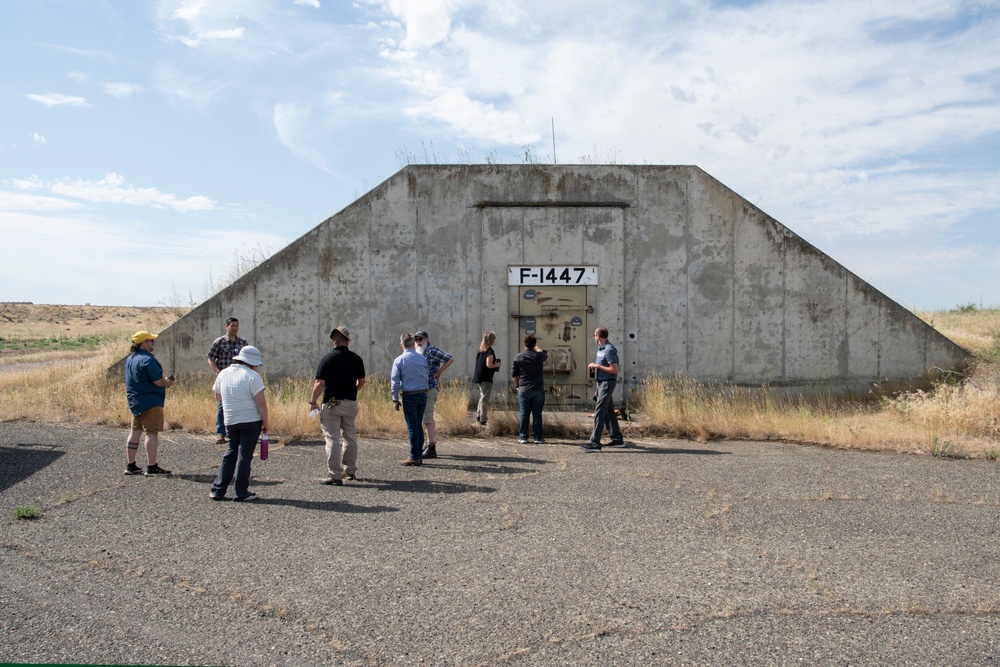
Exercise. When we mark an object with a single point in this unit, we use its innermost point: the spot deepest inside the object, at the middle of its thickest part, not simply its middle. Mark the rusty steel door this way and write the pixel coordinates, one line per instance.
(557, 317)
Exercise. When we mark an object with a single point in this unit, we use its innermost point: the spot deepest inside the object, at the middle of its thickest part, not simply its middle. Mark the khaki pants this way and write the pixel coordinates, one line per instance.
(334, 419)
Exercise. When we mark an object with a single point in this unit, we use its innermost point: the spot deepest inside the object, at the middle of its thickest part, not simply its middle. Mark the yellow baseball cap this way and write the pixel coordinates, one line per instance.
(141, 336)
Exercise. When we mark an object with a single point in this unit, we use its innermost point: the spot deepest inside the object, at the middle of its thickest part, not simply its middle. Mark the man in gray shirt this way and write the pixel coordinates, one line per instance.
(526, 373)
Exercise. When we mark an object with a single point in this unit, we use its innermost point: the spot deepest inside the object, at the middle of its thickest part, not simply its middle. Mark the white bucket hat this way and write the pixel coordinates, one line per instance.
(249, 355)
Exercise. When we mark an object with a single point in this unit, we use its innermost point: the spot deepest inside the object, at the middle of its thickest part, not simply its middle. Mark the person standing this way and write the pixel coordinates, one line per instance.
(605, 370)
(146, 392)
(240, 389)
(526, 373)
(220, 356)
(438, 362)
(486, 367)
(339, 376)
(409, 389)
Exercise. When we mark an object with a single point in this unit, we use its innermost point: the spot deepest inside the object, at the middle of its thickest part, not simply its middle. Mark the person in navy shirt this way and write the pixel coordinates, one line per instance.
(146, 392)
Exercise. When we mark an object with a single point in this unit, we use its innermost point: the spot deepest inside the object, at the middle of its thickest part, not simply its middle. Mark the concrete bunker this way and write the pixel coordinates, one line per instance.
(687, 276)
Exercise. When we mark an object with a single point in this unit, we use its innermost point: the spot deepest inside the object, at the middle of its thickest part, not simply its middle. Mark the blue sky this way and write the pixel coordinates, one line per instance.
(147, 148)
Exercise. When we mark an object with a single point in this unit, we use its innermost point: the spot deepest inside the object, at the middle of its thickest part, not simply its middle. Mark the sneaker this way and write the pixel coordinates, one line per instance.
(617, 445)
(590, 447)
(133, 469)
(245, 499)
(430, 451)
(539, 441)
(212, 496)
(156, 471)
(410, 462)
(522, 441)
(221, 440)
(330, 480)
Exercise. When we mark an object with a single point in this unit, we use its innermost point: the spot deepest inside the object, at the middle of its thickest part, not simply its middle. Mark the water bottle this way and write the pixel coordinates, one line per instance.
(263, 446)
(314, 413)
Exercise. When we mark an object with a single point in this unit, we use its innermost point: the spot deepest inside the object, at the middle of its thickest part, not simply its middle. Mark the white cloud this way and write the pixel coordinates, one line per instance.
(111, 189)
(202, 22)
(427, 22)
(228, 33)
(55, 99)
(466, 117)
(38, 138)
(309, 3)
(293, 124)
(79, 77)
(19, 201)
(121, 89)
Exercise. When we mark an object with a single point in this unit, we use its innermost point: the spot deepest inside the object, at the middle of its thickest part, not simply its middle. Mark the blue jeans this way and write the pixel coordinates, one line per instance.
(241, 445)
(220, 424)
(604, 414)
(531, 403)
(413, 413)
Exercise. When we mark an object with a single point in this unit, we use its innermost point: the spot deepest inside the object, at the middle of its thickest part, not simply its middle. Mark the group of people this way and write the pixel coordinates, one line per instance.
(242, 415)
(529, 379)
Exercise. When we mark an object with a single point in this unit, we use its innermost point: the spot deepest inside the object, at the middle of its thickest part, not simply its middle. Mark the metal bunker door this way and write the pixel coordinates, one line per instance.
(557, 317)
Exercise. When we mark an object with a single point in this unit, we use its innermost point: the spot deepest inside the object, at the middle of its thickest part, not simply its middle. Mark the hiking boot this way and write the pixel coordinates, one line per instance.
(430, 451)
(156, 471)
(133, 469)
(590, 447)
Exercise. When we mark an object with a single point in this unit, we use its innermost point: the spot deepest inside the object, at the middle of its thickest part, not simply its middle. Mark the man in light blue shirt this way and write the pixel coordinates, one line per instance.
(409, 391)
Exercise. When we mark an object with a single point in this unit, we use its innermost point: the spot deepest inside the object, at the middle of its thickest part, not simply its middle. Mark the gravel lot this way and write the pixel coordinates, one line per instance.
(669, 552)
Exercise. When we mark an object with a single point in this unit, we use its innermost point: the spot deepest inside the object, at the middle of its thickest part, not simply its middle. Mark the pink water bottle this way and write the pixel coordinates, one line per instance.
(263, 446)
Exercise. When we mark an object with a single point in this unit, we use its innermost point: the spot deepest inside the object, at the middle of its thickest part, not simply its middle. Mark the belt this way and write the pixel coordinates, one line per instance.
(418, 391)
(337, 401)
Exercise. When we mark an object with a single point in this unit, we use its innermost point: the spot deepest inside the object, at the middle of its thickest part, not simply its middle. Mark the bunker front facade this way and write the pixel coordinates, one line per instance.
(687, 276)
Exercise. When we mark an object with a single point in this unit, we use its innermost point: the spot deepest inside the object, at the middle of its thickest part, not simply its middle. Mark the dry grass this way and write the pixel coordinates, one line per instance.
(978, 331)
(946, 419)
(913, 422)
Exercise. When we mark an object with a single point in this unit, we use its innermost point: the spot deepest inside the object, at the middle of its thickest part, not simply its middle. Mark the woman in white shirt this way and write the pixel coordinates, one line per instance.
(241, 390)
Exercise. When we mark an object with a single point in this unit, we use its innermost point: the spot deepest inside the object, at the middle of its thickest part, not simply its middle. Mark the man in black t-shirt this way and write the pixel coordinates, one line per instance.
(339, 376)
(526, 374)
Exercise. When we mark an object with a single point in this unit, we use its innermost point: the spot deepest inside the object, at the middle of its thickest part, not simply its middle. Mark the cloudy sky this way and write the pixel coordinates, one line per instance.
(150, 148)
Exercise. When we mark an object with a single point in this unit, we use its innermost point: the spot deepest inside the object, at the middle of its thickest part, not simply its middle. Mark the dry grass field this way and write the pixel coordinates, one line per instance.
(32, 332)
(953, 417)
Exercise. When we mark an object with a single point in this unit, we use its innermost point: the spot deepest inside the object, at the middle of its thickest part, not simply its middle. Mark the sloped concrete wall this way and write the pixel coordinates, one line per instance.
(692, 279)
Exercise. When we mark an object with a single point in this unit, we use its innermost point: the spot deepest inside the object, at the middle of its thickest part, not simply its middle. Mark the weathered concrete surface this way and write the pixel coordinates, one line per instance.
(667, 553)
(692, 279)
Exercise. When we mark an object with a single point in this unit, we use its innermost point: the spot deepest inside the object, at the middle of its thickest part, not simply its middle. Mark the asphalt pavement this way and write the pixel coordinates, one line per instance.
(664, 553)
